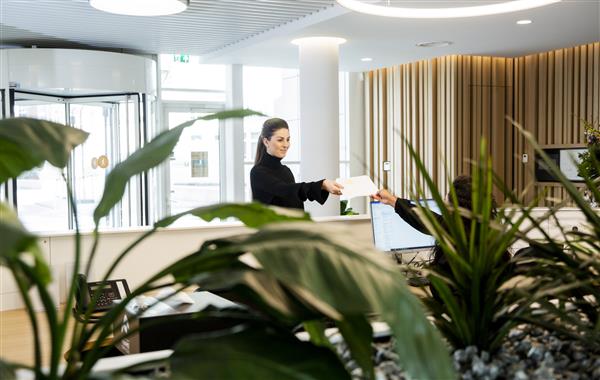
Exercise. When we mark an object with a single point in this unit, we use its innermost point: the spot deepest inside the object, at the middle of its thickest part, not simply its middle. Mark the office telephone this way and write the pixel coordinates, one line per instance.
(109, 291)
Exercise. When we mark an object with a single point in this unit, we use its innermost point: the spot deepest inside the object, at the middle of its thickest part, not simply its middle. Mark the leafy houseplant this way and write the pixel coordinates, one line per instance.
(589, 161)
(470, 301)
(345, 210)
(566, 269)
(286, 274)
(587, 166)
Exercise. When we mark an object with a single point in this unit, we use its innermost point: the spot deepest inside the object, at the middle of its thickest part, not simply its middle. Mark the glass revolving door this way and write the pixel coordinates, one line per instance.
(116, 130)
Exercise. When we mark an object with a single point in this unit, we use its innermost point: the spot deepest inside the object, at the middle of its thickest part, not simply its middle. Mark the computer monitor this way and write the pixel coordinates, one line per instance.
(392, 233)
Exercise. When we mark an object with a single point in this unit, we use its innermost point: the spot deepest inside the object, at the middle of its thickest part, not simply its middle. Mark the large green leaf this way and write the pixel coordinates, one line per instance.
(26, 143)
(256, 353)
(17, 242)
(7, 371)
(358, 334)
(152, 154)
(340, 277)
(251, 214)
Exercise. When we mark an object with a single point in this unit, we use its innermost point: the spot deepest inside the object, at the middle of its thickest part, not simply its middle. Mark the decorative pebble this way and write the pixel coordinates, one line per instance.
(523, 356)
(520, 375)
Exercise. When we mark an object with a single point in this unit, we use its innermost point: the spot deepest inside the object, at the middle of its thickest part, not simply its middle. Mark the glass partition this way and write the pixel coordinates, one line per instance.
(41, 192)
(194, 166)
(114, 125)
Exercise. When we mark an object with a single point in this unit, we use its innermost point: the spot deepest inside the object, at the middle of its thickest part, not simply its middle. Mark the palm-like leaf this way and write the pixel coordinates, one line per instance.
(251, 214)
(26, 143)
(152, 154)
(341, 280)
(254, 353)
(567, 269)
(470, 307)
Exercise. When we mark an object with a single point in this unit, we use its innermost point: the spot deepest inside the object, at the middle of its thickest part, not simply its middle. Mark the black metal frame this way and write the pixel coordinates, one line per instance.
(143, 139)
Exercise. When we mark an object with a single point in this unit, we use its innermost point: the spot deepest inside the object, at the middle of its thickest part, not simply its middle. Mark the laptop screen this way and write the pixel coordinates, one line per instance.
(392, 233)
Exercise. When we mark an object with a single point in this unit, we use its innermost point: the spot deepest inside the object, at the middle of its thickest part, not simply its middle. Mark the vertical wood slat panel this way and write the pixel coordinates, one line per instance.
(568, 136)
(596, 71)
(576, 91)
(436, 101)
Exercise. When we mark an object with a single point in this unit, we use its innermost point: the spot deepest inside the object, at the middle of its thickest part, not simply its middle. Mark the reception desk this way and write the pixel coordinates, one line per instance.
(161, 249)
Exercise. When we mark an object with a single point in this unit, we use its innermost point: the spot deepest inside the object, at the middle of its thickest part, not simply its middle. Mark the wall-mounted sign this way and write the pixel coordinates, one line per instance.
(181, 58)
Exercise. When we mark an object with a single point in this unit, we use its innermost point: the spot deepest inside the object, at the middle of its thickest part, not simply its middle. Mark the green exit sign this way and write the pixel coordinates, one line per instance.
(182, 58)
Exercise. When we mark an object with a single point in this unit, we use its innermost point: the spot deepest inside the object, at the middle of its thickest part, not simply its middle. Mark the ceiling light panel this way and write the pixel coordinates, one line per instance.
(388, 9)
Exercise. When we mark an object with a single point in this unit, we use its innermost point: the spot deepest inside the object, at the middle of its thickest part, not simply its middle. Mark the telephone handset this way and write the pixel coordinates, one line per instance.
(110, 290)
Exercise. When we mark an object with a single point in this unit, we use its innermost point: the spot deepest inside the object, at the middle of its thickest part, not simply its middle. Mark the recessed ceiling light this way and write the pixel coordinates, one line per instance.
(366, 59)
(448, 12)
(434, 44)
(524, 22)
(141, 7)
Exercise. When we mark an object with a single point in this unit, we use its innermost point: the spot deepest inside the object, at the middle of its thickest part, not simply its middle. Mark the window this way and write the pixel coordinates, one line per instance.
(114, 128)
(189, 81)
(272, 91)
(41, 192)
(194, 172)
(276, 91)
(194, 165)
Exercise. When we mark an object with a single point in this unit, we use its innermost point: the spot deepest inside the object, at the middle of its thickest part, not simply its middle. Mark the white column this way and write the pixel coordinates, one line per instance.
(232, 140)
(356, 121)
(319, 116)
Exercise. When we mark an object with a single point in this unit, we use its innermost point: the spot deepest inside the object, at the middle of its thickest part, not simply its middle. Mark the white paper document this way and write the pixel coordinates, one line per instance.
(360, 186)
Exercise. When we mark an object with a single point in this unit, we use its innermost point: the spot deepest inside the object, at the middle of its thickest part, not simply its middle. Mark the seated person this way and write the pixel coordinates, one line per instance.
(405, 209)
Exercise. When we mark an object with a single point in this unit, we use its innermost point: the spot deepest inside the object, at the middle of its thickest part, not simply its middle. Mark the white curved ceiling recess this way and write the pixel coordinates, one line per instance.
(259, 32)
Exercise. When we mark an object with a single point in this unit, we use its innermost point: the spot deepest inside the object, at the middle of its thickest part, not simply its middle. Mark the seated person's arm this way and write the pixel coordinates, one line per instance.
(403, 207)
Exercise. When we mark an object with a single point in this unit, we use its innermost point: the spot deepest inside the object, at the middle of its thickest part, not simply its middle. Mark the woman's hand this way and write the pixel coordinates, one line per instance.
(385, 197)
(332, 187)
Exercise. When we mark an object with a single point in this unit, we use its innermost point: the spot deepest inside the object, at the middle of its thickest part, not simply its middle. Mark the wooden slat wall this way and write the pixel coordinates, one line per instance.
(561, 88)
(404, 96)
(445, 105)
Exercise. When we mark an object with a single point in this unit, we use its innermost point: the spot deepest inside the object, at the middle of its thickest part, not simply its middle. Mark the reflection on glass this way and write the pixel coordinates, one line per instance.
(88, 176)
(41, 192)
(112, 124)
(113, 137)
(194, 165)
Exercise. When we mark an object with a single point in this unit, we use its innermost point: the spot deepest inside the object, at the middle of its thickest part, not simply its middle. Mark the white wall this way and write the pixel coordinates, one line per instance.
(155, 253)
(79, 71)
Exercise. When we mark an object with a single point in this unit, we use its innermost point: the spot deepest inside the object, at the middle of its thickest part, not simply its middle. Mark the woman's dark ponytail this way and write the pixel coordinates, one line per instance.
(270, 126)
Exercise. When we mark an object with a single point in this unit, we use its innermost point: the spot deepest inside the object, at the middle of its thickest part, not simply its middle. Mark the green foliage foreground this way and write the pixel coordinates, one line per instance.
(287, 273)
(472, 301)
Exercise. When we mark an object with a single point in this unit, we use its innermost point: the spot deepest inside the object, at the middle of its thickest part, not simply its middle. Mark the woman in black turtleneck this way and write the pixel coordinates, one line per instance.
(272, 182)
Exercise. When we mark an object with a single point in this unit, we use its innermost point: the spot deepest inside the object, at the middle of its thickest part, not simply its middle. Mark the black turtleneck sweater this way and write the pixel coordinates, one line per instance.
(273, 184)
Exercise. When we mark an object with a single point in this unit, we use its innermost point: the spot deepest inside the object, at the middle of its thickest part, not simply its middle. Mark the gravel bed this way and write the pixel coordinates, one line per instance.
(529, 353)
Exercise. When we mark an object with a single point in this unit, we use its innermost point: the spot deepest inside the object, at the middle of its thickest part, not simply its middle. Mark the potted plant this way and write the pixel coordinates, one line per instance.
(589, 161)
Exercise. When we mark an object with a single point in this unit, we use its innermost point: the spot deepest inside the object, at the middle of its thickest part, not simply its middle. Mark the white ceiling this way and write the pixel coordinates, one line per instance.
(205, 26)
(259, 31)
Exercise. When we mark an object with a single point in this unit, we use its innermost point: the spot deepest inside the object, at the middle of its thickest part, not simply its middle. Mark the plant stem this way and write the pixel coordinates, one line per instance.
(32, 318)
(51, 316)
(77, 328)
(126, 251)
(88, 266)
